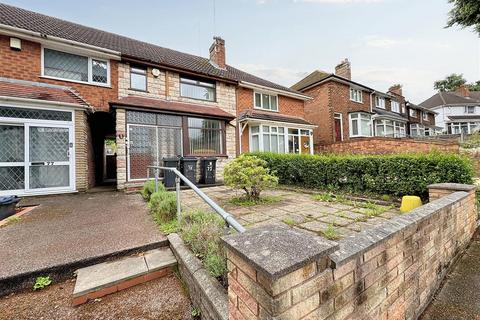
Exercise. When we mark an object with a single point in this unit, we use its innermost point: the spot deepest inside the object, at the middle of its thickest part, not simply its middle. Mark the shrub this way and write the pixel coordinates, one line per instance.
(149, 188)
(201, 232)
(163, 206)
(402, 174)
(250, 174)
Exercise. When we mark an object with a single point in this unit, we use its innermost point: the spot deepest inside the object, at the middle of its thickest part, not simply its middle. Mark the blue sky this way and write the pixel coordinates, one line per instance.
(387, 41)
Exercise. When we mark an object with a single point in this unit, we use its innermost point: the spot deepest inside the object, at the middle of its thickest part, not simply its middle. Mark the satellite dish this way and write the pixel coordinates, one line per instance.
(155, 72)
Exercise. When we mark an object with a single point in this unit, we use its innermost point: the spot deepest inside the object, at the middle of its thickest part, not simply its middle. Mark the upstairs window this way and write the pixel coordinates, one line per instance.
(266, 101)
(380, 102)
(73, 67)
(470, 109)
(138, 78)
(356, 95)
(413, 113)
(395, 106)
(425, 116)
(197, 89)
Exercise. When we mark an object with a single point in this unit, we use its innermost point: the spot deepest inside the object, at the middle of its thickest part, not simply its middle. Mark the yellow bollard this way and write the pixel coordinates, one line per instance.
(409, 203)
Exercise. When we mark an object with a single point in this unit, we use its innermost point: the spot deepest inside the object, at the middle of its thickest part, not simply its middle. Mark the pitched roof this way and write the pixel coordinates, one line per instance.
(271, 116)
(446, 98)
(129, 48)
(173, 106)
(312, 78)
(389, 114)
(39, 91)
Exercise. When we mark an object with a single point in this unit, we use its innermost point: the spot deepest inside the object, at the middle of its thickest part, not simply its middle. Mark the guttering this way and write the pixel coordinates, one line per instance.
(254, 86)
(52, 40)
(334, 77)
(44, 102)
(287, 124)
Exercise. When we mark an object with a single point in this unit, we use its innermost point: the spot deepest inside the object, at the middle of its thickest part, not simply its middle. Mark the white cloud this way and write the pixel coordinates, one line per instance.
(283, 76)
(377, 41)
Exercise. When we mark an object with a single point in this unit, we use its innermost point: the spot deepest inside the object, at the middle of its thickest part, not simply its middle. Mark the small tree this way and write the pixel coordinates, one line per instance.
(250, 174)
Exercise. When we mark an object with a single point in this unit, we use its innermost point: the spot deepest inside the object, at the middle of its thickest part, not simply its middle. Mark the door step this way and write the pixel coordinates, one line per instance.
(109, 277)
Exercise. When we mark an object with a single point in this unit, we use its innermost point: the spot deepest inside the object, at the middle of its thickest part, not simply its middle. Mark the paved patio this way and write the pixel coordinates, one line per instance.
(70, 229)
(334, 220)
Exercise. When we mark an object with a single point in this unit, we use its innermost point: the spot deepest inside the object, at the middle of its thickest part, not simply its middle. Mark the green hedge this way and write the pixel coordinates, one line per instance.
(403, 174)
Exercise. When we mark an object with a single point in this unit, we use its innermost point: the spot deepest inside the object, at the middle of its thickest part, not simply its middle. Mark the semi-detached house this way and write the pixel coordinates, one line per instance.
(80, 107)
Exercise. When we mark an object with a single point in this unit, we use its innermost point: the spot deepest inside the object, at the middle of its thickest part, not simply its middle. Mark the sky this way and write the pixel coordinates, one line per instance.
(386, 41)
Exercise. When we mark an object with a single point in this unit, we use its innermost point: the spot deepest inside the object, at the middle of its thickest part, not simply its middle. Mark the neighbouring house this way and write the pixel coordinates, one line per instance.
(457, 111)
(421, 121)
(346, 110)
(81, 107)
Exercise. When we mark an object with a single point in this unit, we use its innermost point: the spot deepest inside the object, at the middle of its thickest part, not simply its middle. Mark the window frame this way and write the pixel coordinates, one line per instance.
(417, 127)
(90, 69)
(197, 83)
(397, 104)
(359, 94)
(410, 111)
(425, 116)
(186, 138)
(261, 101)
(397, 128)
(359, 118)
(300, 133)
(379, 99)
(137, 73)
(467, 108)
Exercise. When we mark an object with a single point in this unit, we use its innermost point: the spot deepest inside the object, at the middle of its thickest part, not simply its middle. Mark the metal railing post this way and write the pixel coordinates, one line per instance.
(156, 179)
(179, 205)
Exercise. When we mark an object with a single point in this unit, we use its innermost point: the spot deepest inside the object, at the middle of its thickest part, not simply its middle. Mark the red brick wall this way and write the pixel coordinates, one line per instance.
(329, 98)
(26, 65)
(286, 105)
(380, 145)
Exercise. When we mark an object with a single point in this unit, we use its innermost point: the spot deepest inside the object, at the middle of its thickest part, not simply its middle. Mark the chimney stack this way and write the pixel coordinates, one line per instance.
(344, 70)
(217, 52)
(463, 91)
(396, 89)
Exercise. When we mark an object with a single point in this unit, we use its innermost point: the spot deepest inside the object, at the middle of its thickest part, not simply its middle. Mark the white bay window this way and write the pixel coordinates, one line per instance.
(390, 128)
(266, 138)
(360, 124)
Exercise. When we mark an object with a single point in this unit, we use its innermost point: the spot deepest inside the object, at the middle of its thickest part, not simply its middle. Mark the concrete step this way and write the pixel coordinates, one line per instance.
(109, 277)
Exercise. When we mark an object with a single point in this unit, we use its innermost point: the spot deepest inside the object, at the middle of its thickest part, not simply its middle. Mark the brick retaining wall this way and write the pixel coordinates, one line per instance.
(388, 272)
(380, 145)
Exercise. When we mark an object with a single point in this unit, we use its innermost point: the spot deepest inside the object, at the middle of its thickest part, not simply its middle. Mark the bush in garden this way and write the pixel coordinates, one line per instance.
(149, 188)
(401, 174)
(163, 206)
(201, 232)
(249, 173)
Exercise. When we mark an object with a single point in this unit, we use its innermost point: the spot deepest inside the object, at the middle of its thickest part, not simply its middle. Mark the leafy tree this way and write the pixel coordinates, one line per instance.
(250, 174)
(465, 13)
(450, 83)
(474, 86)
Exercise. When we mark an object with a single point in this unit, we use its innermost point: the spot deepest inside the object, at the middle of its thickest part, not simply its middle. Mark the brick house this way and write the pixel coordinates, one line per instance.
(344, 109)
(81, 107)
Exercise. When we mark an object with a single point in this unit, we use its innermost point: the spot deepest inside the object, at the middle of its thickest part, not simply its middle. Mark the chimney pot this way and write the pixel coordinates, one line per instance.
(396, 89)
(344, 70)
(463, 91)
(217, 52)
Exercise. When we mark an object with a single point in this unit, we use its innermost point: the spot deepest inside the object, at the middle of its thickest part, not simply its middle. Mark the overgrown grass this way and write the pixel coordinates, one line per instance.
(169, 226)
(163, 206)
(374, 210)
(246, 202)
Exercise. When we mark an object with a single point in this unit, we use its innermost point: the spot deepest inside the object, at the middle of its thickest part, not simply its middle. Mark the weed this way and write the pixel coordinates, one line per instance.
(196, 313)
(169, 227)
(163, 206)
(331, 233)
(248, 202)
(11, 220)
(42, 282)
(325, 197)
(289, 221)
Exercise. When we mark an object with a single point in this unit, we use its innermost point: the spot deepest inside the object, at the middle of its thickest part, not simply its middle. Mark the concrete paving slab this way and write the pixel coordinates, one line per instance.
(159, 258)
(107, 274)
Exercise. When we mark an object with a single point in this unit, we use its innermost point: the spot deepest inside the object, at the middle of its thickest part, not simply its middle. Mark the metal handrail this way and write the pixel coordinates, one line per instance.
(229, 219)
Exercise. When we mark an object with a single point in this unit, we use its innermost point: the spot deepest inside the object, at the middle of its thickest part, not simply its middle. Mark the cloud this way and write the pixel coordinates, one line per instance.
(340, 1)
(376, 41)
(283, 76)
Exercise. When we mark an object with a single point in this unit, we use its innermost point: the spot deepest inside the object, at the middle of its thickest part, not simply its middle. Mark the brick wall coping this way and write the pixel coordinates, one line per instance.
(277, 250)
(353, 246)
(453, 186)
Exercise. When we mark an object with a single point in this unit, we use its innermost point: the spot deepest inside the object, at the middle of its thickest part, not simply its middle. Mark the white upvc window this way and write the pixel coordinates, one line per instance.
(360, 124)
(265, 101)
(417, 130)
(380, 102)
(76, 68)
(424, 116)
(395, 106)
(390, 128)
(356, 95)
(266, 138)
(413, 113)
(470, 109)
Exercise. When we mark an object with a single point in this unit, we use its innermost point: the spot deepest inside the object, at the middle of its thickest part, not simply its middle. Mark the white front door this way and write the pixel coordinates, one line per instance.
(37, 158)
